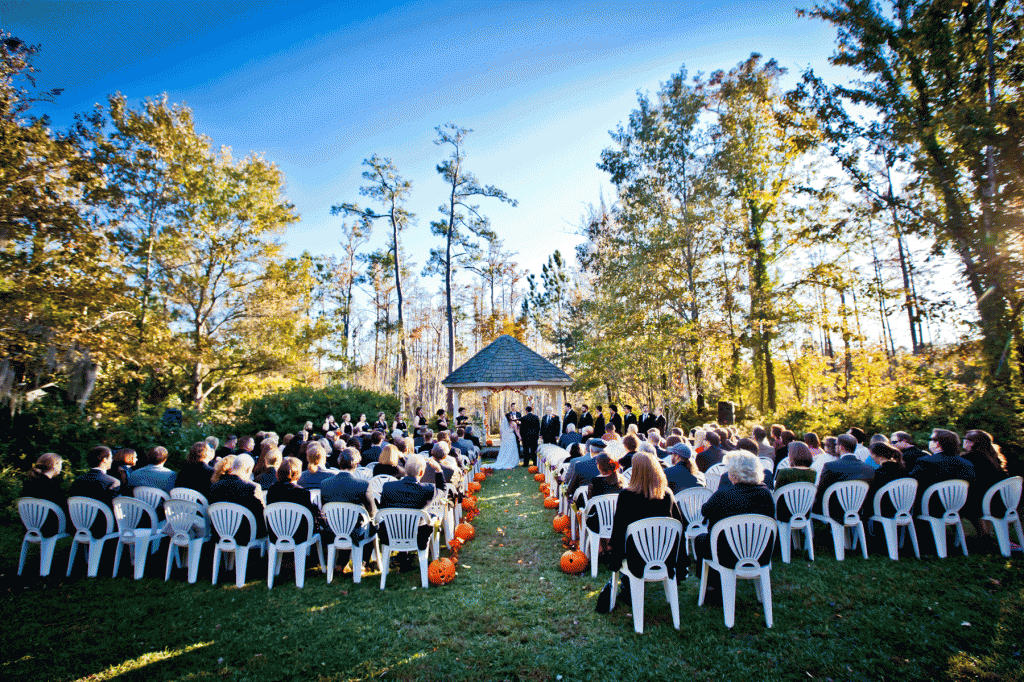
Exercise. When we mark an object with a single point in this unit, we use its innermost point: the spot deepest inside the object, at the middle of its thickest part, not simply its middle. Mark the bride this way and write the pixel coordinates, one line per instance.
(508, 453)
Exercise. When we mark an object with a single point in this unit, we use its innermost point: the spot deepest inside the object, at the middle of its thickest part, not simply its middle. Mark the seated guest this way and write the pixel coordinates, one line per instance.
(583, 469)
(234, 486)
(944, 464)
(586, 433)
(344, 486)
(285, 489)
(888, 467)
(647, 496)
(764, 449)
(408, 493)
(316, 473)
(246, 446)
(712, 453)
(196, 473)
(154, 474)
(372, 454)
(847, 468)
(228, 448)
(125, 460)
(813, 443)
(607, 481)
(683, 473)
(97, 484)
(785, 438)
(42, 484)
(265, 473)
(221, 468)
(798, 471)
(472, 437)
(747, 495)
(989, 468)
(910, 453)
(390, 460)
(426, 443)
(438, 468)
(630, 442)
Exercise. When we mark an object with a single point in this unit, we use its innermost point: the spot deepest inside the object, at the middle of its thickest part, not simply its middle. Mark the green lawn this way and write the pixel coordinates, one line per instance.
(512, 614)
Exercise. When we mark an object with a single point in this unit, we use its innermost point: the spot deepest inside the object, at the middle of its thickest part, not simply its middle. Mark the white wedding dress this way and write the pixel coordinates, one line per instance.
(508, 453)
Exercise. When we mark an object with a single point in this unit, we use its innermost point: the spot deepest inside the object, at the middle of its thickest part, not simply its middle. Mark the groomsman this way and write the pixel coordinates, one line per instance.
(550, 426)
(660, 423)
(646, 422)
(628, 418)
(586, 419)
(614, 419)
(570, 416)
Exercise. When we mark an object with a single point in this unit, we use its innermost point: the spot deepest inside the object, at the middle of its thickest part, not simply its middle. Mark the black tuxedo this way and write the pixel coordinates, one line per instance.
(586, 419)
(935, 468)
(529, 431)
(550, 428)
(645, 423)
(630, 419)
(599, 425)
(569, 418)
(99, 486)
(407, 493)
(616, 421)
(661, 425)
(846, 468)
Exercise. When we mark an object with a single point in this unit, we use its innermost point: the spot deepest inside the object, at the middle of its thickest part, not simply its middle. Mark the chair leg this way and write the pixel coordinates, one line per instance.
(729, 597)
(385, 560)
(939, 533)
(240, 557)
(331, 553)
(765, 582)
(859, 529)
(46, 550)
(141, 550)
(272, 566)
(672, 594)
(71, 556)
(95, 552)
(839, 540)
(320, 551)
(300, 566)
(910, 530)
(195, 553)
(117, 556)
(615, 591)
(785, 541)
(809, 532)
(424, 580)
(891, 543)
(961, 536)
(636, 591)
(703, 584)
(24, 555)
(594, 545)
(216, 563)
(357, 563)
(172, 558)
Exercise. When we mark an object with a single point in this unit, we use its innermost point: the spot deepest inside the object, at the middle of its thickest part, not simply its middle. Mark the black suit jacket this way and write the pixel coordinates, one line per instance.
(644, 424)
(680, 478)
(585, 419)
(290, 492)
(733, 501)
(46, 488)
(598, 425)
(634, 507)
(567, 439)
(885, 474)
(630, 419)
(231, 488)
(529, 428)
(550, 428)
(344, 487)
(846, 468)
(196, 476)
(581, 472)
(406, 493)
(615, 421)
(99, 486)
(935, 468)
(711, 456)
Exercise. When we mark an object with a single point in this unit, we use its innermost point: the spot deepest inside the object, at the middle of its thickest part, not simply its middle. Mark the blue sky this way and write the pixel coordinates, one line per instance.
(319, 86)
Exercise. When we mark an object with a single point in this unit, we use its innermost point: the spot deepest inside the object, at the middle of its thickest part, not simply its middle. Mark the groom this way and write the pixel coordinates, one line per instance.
(529, 431)
(514, 417)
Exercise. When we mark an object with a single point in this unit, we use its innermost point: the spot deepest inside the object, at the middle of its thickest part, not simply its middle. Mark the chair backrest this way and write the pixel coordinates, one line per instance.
(438, 506)
(129, 511)
(627, 475)
(186, 520)
(690, 502)
(714, 475)
(190, 495)
(604, 505)
(767, 464)
(1010, 490)
(952, 494)
(850, 495)
(784, 464)
(654, 539)
(227, 519)
(154, 497)
(402, 526)
(33, 512)
(799, 499)
(83, 511)
(581, 497)
(342, 517)
(365, 473)
(284, 518)
(748, 536)
(902, 492)
(377, 484)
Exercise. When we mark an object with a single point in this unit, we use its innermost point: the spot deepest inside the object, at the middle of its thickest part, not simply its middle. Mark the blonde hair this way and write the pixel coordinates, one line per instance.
(389, 455)
(648, 478)
(698, 438)
(315, 456)
(223, 466)
(289, 470)
(270, 458)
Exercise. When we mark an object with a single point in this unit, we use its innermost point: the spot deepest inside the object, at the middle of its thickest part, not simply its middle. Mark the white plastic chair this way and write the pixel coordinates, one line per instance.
(690, 502)
(402, 528)
(713, 476)
(442, 518)
(851, 495)
(579, 501)
(748, 536)
(364, 473)
(284, 519)
(1010, 491)
(83, 512)
(190, 495)
(767, 464)
(799, 500)
(902, 493)
(154, 497)
(654, 539)
(627, 474)
(33, 512)
(591, 541)
(187, 529)
(783, 464)
(342, 517)
(227, 518)
(953, 495)
(376, 486)
(128, 512)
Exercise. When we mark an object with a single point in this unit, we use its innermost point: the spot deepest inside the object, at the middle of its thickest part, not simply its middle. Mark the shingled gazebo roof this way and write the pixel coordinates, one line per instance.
(506, 362)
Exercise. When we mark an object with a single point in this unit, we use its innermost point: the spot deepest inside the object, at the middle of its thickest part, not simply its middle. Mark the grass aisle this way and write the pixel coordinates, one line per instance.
(512, 614)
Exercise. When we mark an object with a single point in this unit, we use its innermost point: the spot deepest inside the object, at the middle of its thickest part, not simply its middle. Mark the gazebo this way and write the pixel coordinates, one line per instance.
(506, 364)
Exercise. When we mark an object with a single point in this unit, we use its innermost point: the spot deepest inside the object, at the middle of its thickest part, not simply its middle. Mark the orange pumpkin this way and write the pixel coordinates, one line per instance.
(561, 523)
(465, 532)
(474, 487)
(441, 571)
(468, 502)
(544, 488)
(490, 442)
(538, 477)
(551, 503)
(574, 561)
(456, 544)
(480, 476)
(533, 469)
